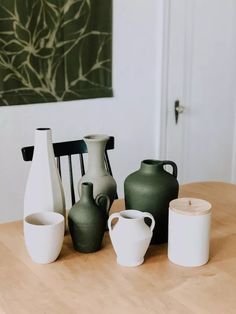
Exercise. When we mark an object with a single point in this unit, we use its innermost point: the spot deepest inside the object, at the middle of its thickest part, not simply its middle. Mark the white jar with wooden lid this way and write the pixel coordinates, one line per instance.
(189, 231)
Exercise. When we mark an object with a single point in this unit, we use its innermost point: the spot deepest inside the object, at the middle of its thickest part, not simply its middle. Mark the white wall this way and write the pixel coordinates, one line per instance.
(132, 115)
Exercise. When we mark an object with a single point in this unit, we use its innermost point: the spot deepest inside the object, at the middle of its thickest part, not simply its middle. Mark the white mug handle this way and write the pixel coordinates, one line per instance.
(148, 215)
(115, 215)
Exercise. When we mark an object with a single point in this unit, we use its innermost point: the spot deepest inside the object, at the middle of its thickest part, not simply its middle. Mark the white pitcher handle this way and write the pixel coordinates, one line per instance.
(115, 215)
(148, 215)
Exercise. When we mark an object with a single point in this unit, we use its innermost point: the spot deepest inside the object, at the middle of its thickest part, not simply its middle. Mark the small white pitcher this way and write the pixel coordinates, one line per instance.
(130, 236)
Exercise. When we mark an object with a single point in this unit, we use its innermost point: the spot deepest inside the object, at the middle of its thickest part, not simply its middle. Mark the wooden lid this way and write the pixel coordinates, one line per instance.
(190, 206)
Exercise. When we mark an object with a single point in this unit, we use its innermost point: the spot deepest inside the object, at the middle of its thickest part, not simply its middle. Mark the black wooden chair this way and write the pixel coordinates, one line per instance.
(70, 148)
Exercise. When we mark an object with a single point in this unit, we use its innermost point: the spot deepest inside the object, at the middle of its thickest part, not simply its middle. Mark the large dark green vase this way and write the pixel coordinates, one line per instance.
(87, 222)
(150, 189)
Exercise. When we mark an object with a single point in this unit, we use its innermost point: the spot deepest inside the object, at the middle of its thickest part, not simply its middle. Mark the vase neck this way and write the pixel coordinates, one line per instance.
(151, 166)
(132, 222)
(86, 192)
(43, 143)
(96, 148)
(132, 218)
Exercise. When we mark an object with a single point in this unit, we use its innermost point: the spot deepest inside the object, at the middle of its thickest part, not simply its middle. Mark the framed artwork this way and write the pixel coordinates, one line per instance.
(55, 50)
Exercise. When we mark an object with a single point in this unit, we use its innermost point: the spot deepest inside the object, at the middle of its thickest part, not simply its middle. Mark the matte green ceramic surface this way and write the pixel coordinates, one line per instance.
(150, 189)
(87, 222)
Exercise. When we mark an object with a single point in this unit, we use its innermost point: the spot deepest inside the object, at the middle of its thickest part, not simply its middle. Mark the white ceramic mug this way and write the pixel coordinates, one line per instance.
(44, 235)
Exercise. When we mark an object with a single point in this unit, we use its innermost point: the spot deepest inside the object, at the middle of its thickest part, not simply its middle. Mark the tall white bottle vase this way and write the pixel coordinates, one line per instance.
(44, 191)
(103, 182)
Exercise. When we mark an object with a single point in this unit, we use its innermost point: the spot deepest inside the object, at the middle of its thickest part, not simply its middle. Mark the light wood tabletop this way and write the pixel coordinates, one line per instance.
(94, 283)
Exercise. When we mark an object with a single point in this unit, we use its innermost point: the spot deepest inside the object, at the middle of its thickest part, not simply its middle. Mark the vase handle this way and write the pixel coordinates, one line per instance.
(102, 196)
(115, 215)
(148, 215)
(173, 165)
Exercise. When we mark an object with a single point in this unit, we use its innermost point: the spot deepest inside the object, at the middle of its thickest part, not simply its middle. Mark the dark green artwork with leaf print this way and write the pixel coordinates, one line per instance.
(54, 50)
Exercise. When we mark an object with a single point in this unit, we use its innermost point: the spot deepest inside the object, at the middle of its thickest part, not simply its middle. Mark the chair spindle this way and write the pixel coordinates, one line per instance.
(107, 163)
(82, 169)
(59, 165)
(71, 181)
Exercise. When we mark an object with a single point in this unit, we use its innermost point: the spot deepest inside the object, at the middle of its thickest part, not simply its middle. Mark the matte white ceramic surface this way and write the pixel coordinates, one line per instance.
(130, 236)
(189, 232)
(44, 235)
(44, 190)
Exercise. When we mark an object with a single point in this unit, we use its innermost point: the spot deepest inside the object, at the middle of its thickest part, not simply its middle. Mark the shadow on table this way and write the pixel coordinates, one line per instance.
(222, 247)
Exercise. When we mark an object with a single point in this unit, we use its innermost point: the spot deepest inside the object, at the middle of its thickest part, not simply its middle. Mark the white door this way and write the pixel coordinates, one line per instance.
(202, 77)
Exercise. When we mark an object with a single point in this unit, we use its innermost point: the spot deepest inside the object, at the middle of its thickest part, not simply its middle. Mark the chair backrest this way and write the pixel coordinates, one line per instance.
(70, 148)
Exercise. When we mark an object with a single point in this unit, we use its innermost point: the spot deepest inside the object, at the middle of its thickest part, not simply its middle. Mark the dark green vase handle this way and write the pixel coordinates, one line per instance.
(99, 199)
(174, 166)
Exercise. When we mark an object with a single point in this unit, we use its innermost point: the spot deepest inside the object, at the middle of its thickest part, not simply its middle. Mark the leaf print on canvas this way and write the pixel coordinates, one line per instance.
(54, 50)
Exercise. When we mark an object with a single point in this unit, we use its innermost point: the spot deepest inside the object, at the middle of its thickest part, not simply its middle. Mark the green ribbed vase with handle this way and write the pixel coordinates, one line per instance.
(150, 189)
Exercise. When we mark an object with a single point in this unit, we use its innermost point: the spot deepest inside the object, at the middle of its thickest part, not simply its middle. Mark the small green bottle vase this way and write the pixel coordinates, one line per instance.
(87, 221)
(151, 189)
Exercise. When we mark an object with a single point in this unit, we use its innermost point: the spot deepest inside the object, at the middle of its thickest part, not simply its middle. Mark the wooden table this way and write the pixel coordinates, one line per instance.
(94, 283)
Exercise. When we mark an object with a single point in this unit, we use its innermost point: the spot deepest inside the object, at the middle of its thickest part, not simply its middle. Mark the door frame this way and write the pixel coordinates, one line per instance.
(164, 78)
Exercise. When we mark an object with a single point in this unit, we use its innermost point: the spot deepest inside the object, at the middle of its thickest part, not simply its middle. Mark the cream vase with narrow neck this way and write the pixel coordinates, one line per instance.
(130, 236)
(103, 182)
(44, 190)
